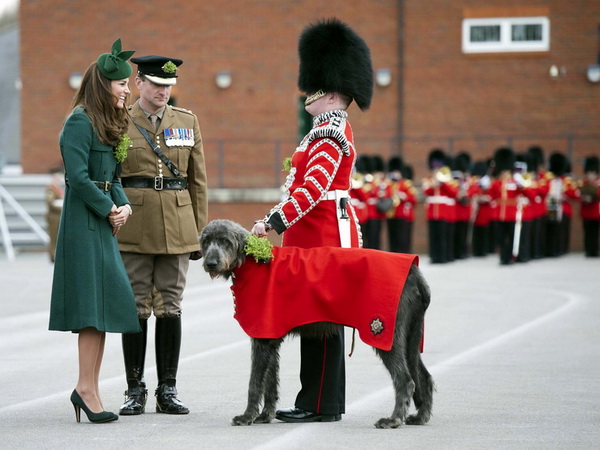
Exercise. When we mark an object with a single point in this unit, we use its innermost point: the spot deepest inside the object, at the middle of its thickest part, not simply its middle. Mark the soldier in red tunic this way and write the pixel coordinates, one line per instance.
(440, 192)
(506, 191)
(589, 195)
(335, 69)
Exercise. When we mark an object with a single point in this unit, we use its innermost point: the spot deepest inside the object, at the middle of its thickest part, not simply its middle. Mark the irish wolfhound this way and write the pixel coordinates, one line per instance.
(222, 243)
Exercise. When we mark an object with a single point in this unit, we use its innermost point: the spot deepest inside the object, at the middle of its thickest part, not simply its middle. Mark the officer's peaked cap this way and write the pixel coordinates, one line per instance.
(158, 69)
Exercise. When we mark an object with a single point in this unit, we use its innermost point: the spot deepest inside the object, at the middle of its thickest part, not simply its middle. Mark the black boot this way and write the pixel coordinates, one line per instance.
(168, 343)
(134, 353)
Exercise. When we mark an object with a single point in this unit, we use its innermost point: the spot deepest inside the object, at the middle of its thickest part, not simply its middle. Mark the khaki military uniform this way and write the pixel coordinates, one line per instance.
(165, 224)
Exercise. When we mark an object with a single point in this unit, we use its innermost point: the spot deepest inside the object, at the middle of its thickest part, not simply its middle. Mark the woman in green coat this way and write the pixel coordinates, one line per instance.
(91, 293)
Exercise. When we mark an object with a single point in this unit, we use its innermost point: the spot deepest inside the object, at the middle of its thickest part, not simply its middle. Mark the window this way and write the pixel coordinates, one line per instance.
(507, 34)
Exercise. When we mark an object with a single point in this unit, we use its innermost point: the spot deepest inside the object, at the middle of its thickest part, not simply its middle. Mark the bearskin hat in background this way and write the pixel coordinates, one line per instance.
(462, 162)
(333, 58)
(480, 168)
(558, 164)
(407, 172)
(377, 163)
(537, 154)
(528, 159)
(363, 165)
(591, 164)
(437, 158)
(504, 159)
(395, 164)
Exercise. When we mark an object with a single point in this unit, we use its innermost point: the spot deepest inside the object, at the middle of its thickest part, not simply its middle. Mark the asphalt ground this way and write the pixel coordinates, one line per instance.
(514, 351)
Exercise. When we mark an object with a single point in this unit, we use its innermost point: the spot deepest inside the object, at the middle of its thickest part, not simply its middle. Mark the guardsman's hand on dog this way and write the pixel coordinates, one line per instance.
(259, 229)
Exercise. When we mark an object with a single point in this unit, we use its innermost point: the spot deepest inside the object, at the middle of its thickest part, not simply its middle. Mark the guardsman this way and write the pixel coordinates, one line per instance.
(378, 203)
(481, 212)
(404, 196)
(589, 195)
(464, 206)
(164, 177)
(440, 192)
(408, 208)
(505, 190)
(539, 210)
(335, 70)
(526, 180)
(557, 208)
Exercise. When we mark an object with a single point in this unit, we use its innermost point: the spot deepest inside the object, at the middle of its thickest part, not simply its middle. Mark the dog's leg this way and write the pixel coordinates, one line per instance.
(271, 385)
(423, 396)
(404, 386)
(262, 351)
(424, 386)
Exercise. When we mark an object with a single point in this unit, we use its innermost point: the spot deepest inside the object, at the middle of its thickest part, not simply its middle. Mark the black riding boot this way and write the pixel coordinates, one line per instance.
(168, 343)
(134, 353)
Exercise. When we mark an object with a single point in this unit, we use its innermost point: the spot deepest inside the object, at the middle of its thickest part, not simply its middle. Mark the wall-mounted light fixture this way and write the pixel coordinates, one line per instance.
(383, 77)
(593, 73)
(75, 80)
(223, 80)
(556, 72)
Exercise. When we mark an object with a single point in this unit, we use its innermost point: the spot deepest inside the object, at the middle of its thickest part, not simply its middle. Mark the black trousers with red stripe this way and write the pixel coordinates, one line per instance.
(323, 374)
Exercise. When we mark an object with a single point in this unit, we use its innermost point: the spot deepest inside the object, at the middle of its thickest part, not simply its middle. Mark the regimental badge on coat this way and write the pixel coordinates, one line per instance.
(376, 326)
(179, 137)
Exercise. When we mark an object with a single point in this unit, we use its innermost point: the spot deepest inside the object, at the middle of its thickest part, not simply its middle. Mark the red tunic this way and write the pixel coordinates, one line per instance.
(506, 193)
(359, 288)
(406, 198)
(440, 200)
(322, 163)
(590, 206)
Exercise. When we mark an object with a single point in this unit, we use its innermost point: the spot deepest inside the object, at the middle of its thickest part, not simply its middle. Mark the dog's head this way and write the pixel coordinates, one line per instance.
(222, 245)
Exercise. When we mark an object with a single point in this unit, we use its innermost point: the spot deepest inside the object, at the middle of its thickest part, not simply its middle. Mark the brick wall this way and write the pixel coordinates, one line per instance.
(439, 97)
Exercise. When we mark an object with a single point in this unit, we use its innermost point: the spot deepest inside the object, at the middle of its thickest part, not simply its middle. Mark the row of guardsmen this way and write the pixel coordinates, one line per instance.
(516, 205)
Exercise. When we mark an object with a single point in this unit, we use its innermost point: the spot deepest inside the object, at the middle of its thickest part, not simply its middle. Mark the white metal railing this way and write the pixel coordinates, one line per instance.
(4, 229)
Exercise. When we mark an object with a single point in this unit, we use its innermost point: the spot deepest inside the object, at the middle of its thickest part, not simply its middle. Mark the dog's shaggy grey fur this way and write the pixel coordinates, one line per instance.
(222, 244)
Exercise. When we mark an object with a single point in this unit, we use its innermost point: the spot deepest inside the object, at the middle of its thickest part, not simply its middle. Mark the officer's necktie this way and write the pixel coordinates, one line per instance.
(154, 121)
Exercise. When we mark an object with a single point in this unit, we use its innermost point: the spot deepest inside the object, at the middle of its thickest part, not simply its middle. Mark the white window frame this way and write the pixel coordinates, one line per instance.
(506, 44)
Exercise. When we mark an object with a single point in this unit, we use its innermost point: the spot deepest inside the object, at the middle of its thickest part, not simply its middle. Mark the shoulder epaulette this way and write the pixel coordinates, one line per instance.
(332, 130)
(183, 110)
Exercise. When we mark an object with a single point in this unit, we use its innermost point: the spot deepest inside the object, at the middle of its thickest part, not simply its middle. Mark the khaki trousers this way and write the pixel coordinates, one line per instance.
(158, 282)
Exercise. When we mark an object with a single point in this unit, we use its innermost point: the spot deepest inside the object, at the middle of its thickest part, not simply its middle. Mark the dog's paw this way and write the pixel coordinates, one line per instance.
(264, 418)
(417, 419)
(388, 422)
(243, 420)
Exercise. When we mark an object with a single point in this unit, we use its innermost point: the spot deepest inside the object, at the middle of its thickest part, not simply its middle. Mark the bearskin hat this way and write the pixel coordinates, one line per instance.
(462, 162)
(480, 168)
(591, 164)
(395, 164)
(333, 58)
(377, 163)
(437, 158)
(363, 164)
(537, 154)
(407, 172)
(504, 159)
(558, 164)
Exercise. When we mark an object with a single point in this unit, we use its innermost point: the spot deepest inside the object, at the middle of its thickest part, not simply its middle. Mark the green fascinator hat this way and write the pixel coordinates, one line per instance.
(114, 65)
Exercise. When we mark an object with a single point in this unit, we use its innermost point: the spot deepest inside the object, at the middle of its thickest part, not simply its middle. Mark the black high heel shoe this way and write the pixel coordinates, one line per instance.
(79, 404)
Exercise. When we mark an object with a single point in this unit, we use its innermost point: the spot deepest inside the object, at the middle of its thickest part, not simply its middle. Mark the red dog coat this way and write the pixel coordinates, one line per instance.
(355, 287)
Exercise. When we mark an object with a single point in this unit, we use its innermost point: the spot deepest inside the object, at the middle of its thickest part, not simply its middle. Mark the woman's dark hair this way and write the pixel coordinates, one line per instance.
(95, 96)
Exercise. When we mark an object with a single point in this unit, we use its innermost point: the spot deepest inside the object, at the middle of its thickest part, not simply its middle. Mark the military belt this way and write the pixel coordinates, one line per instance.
(156, 183)
(103, 185)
